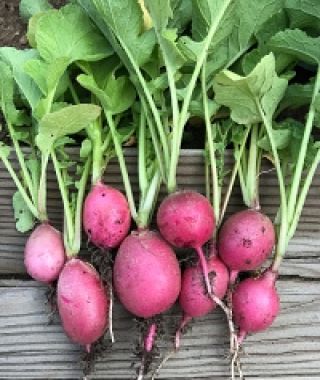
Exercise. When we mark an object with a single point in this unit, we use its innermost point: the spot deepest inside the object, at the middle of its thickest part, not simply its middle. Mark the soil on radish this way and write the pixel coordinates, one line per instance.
(103, 262)
(99, 350)
(51, 301)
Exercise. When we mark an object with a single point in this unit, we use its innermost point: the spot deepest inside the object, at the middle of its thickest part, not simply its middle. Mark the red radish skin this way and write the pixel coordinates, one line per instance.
(146, 275)
(255, 303)
(194, 299)
(44, 254)
(82, 302)
(106, 216)
(246, 240)
(186, 219)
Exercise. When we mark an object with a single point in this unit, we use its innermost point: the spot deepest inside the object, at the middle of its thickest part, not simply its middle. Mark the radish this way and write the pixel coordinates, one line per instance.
(106, 216)
(44, 254)
(246, 240)
(186, 219)
(194, 299)
(82, 303)
(255, 303)
(146, 274)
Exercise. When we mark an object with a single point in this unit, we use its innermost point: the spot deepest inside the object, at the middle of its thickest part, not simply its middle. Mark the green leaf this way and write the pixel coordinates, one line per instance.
(68, 33)
(243, 94)
(4, 150)
(47, 75)
(122, 23)
(297, 95)
(282, 138)
(275, 23)
(298, 44)
(24, 218)
(66, 121)
(238, 30)
(117, 95)
(304, 14)
(86, 148)
(181, 14)
(6, 94)
(29, 8)
(161, 12)
(251, 59)
(32, 27)
(17, 60)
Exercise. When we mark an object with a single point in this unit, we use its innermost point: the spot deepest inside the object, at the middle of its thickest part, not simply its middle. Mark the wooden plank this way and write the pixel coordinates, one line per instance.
(303, 254)
(32, 349)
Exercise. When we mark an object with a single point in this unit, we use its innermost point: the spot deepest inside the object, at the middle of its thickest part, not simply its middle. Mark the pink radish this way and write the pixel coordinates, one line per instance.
(146, 274)
(255, 303)
(106, 216)
(44, 254)
(82, 302)
(246, 240)
(185, 219)
(194, 299)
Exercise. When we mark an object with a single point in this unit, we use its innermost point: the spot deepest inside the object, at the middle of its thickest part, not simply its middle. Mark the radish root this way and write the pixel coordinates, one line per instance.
(111, 313)
(234, 345)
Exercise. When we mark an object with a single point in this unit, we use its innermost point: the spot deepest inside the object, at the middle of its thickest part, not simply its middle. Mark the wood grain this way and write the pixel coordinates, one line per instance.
(32, 349)
(302, 257)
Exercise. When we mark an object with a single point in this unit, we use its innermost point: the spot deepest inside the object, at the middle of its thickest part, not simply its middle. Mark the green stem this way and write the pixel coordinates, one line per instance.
(207, 175)
(76, 244)
(303, 195)
(94, 132)
(42, 192)
(22, 163)
(152, 105)
(155, 140)
(143, 180)
(216, 189)
(146, 209)
(282, 238)
(122, 164)
(65, 199)
(235, 170)
(106, 143)
(73, 92)
(303, 151)
(242, 173)
(252, 174)
(186, 103)
(20, 187)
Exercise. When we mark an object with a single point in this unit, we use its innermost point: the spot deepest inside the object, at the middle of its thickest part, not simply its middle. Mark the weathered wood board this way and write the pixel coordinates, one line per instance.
(31, 349)
(290, 350)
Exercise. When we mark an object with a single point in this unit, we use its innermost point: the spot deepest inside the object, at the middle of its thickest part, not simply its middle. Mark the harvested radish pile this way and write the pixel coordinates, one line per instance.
(103, 76)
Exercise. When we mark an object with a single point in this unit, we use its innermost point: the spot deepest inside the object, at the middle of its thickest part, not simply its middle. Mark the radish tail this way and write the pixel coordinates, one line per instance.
(111, 313)
(183, 323)
(148, 344)
(234, 345)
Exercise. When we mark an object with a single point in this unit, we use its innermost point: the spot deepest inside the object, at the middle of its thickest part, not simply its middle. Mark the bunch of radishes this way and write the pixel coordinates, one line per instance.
(108, 87)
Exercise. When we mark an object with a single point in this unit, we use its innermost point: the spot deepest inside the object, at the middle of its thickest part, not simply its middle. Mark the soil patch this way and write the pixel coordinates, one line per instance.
(12, 28)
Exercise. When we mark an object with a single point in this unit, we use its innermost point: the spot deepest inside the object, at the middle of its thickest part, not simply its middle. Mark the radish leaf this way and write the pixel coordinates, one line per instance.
(23, 217)
(116, 96)
(241, 94)
(17, 59)
(28, 8)
(297, 43)
(69, 33)
(66, 121)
